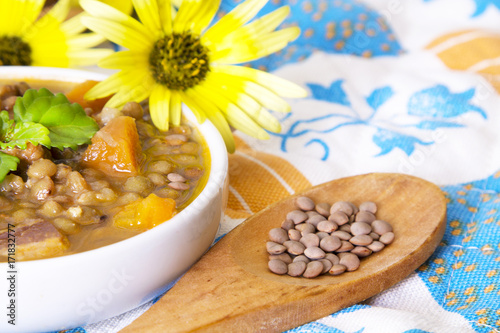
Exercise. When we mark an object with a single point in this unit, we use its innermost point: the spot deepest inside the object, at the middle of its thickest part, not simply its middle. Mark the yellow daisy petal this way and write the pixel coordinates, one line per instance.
(214, 114)
(195, 15)
(59, 11)
(166, 12)
(266, 98)
(271, 82)
(11, 11)
(222, 126)
(32, 10)
(177, 3)
(133, 91)
(118, 33)
(263, 96)
(242, 122)
(115, 25)
(83, 41)
(148, 13)
(102, 10)
(159, 106)
(175, 108)
(124, 60)
(121, 5)
(7, 20)
(87, 57)
(234, 115)
(73, 25)
(49, 51)
(255, 29)
(29, 13)
(254, 49)
(48, 59)
(111, 85)
(266, 120)
(266, 23)
(47, 24)
(240, 15)
(233, 92)
(194, 105)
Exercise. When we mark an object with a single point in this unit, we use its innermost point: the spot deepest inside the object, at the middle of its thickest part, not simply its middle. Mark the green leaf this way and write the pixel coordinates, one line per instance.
(31, 96)
(68, 123)
(6, 125)
(8, 163)
(22, 133)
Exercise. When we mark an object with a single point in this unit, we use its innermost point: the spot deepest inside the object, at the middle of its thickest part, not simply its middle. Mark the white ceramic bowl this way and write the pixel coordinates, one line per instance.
(65, 292)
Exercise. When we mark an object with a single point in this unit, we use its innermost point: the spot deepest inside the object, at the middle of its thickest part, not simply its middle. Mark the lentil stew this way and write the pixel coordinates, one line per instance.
(128, 179)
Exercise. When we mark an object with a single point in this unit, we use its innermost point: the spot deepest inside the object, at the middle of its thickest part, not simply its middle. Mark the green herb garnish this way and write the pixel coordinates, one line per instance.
(40, 117)
(18, 134)
(8, 163)
(68, 123)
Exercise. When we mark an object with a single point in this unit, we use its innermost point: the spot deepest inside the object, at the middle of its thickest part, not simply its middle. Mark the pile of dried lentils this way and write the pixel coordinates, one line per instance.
(321, 238)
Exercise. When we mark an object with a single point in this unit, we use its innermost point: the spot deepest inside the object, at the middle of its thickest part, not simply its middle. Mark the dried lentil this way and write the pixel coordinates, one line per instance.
(285, 257)
(318, 238)
(305, 203)
(294, 247)
(278, 267)
(278, 235)
(337, 269)
(296, 268)
(376, 246)
(313, 269)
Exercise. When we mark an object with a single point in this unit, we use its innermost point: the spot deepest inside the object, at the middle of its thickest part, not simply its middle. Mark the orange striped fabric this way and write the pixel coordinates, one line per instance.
(471, 50)
(257, 179)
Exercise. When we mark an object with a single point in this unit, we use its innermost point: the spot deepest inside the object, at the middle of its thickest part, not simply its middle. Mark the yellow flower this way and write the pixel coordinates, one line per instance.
(178, 59)
(124, 6)
(26, 39)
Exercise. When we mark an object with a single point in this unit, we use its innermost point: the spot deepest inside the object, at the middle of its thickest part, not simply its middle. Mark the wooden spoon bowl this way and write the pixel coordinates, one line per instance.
(232, 290)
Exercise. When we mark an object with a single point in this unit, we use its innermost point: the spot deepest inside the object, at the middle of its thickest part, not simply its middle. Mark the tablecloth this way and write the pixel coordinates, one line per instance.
(394, 86)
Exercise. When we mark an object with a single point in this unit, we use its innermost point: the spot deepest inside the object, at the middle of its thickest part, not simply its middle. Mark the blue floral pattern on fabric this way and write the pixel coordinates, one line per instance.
(388, 140)
(429, 109)
(315, 327)
(333, 94)
(335, 26)
(463, 272)
(491, 183)
(379, 97)
(481, 6)
(76, 330)
(439, 103)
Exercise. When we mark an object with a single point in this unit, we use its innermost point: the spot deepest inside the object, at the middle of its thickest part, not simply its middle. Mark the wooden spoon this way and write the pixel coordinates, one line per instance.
(230, 289)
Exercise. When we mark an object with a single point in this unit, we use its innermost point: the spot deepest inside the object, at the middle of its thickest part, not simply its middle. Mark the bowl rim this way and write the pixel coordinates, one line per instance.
(212, 137)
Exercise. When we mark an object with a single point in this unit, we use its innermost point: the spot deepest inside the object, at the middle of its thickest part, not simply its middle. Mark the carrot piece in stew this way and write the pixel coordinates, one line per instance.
(76, 95)
(145, 213)
(115, 149)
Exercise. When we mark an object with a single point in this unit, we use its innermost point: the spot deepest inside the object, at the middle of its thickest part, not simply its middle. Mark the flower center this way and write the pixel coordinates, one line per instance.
(14, 52)
(179, 61)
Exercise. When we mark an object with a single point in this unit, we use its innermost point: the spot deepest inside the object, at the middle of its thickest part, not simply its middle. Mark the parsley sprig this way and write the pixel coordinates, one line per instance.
(42, 118)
